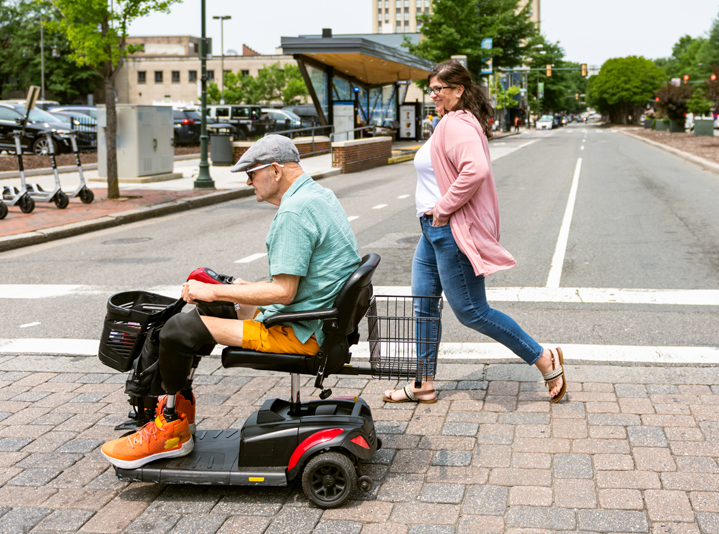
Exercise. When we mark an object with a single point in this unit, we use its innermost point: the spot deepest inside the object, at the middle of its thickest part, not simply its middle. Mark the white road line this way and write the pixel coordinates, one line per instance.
(28, 325)
(526, 144)
(253, 257)
(379, 206)
(555, 271)
(447, 351)
(403, 196)
(578, 295)
(587, 295)
(352, 218)
(582, 148)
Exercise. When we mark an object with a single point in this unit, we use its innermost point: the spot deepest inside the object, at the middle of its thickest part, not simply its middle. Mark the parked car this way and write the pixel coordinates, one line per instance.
(40, 104)
(245, 118)
(307, 114)
(90, 111)
(188, 126)
(546, 122)
(283, 119)
(84, 125)
(11, 119)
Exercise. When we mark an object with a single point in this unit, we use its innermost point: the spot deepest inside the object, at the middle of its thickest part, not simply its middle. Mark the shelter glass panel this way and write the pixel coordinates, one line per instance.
(319, 83)
(342, 89)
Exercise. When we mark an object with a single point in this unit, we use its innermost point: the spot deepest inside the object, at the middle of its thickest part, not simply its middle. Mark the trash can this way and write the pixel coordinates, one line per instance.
(221, 148)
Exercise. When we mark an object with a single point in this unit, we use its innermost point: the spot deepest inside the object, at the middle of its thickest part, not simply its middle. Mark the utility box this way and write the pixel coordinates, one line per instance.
(145, 137)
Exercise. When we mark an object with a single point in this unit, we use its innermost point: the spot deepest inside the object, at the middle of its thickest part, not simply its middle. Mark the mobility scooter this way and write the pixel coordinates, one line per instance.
(321, 441)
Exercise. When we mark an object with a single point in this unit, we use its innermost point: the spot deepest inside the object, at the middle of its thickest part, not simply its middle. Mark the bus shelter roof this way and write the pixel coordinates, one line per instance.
(364, 60)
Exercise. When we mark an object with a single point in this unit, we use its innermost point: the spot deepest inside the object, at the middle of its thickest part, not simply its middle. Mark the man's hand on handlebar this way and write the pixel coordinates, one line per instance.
(192, 291)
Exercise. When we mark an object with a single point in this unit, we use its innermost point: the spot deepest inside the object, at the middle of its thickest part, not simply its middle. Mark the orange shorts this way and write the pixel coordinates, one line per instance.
(279, 339)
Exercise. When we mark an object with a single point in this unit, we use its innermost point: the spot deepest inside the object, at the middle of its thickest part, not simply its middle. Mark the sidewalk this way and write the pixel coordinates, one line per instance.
(633, 449)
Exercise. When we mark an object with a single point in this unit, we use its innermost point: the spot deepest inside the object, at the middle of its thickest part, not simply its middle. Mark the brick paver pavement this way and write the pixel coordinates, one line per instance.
(493, 455)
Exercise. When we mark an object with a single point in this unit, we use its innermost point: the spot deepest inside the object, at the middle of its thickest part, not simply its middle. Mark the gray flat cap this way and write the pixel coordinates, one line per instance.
(269, 149)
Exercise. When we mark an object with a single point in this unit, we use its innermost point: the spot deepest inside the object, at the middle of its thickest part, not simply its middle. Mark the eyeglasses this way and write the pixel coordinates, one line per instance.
(250, 172)
(436, 90)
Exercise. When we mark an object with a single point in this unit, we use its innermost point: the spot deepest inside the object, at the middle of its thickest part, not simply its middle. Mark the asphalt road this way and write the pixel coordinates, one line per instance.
(643, 219)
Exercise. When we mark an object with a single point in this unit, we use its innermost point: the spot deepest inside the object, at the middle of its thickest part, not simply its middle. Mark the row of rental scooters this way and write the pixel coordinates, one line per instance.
(28, 194)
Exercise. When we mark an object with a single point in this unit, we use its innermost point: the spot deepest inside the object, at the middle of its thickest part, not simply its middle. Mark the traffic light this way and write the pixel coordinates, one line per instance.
(713, 77)
(549, 71)
(657, 99)
(576, 96)
(686, 78)
(584, 69)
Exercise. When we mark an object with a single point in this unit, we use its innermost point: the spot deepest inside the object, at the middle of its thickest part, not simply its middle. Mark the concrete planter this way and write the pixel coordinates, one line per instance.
(676, 127)
(648, 123)
(704, 127)
(660, 125)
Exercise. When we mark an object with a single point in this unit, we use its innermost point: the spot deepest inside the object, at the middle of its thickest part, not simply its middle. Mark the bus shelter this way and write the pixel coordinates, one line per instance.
(355, 81)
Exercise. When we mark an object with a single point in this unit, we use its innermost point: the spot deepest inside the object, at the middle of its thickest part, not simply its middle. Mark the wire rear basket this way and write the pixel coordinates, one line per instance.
(129, 317)
(404, 333)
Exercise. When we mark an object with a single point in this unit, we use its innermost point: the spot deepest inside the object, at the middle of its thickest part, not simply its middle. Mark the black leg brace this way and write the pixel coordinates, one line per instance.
(182, 338)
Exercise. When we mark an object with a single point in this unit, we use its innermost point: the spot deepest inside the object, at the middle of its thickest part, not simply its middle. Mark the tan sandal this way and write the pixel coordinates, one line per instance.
(409, 396)
(556, 373)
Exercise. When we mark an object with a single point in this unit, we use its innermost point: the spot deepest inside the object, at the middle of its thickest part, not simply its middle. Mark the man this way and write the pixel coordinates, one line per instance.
(311, 252)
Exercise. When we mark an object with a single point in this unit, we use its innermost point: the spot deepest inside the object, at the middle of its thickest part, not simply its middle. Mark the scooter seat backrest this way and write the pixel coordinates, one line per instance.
(353, 300)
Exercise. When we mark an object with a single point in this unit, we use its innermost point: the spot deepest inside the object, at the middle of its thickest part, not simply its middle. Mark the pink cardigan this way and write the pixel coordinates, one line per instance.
(461, 163)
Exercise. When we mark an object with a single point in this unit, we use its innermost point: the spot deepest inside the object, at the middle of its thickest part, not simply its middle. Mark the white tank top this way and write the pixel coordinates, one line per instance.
(427, 193)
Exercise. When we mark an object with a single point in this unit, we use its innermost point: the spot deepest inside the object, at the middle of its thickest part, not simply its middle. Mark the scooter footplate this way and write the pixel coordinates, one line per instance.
(213, 461)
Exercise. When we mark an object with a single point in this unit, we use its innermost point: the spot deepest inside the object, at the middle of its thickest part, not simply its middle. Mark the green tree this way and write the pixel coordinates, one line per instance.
(457, 27)
(271, 84)
(557, 87)
(20, 57)
(97, 32)
(623, 87)
(684, 58)
(698, 104)
(708, 55)
(505, 98)
(712, 89)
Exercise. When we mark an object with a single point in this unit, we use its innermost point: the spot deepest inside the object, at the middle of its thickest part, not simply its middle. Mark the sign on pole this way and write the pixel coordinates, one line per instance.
(540, 90)
(676, 81)
(487, 66)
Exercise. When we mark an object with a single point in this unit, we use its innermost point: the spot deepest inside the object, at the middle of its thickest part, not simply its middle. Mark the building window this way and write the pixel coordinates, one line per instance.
(386, 16)
(210, 75)
(406, 3)
(158, 76)
(175, 76)
(419, 5)
(192, 76)
(379, 16)
(141, 76)
(406, 25)
(398, 4)
(245, 72)
(426, 4)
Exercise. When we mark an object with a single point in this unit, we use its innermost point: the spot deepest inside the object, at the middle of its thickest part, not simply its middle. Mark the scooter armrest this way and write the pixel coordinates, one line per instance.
(293, 317)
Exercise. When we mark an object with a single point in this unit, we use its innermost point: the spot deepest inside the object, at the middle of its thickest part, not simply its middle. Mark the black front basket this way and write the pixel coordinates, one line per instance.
(129, 316)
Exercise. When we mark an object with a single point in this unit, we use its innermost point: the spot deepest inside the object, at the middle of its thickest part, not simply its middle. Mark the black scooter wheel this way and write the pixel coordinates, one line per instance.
(329, 479)
(3, 210)
(86, 195)
(61, 200)
(27, 204)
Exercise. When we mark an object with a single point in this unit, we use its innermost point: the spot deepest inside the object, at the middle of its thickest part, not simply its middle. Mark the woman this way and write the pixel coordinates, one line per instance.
(459, 213)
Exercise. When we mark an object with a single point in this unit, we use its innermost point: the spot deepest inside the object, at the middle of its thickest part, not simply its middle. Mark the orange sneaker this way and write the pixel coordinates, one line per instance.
(182, 405)
(157, 439)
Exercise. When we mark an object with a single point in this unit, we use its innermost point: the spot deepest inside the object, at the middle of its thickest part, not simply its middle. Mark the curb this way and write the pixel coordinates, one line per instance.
(37, 237)
(689, 157)
(7, 175)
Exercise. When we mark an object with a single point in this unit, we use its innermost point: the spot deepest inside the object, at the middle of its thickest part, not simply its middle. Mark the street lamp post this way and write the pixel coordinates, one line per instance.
(222, 19)
(42, 62)
(204, 180)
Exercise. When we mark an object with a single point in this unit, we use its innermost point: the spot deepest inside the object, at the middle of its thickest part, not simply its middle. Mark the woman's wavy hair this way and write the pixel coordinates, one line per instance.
(474, 98)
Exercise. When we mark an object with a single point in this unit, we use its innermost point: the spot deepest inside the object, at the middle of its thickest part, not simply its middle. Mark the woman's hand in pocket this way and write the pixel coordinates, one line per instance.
(435, 220)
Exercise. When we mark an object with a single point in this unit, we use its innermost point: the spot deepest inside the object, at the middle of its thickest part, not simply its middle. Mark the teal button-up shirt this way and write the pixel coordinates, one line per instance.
(310, 237)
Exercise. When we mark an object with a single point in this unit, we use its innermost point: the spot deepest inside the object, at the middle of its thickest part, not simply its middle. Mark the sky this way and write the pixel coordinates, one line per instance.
(590, 31)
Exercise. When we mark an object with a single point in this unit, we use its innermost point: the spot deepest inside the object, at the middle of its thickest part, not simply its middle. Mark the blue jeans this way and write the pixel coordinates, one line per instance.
(439, 265)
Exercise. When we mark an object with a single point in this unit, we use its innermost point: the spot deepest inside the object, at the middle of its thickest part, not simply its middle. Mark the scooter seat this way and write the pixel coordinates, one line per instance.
(268, 361)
